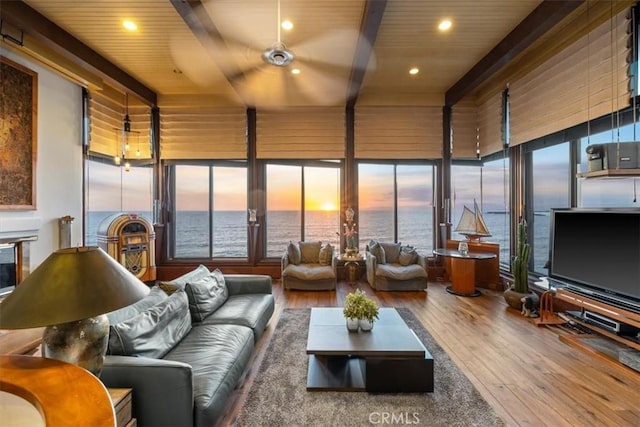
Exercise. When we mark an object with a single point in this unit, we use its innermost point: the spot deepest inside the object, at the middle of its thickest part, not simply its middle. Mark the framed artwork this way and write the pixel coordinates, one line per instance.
(18, 131)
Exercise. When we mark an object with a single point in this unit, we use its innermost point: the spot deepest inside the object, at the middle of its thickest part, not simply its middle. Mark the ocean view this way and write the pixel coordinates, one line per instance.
(230, 231)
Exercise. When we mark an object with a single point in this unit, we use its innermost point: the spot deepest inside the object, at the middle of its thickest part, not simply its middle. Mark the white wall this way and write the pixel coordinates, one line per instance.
(59, 163)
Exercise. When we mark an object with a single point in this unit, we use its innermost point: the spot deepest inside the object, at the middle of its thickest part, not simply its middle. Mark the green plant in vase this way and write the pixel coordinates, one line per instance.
(520, 263)
(520, 270)
(359, 311)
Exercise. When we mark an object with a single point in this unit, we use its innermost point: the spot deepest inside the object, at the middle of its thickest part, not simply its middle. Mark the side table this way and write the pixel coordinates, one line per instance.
(121, 398)
(351, 266)
(463, 270)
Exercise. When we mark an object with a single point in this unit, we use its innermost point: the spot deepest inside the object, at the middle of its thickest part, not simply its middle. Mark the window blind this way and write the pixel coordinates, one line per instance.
(586, 80)
(464, 125)
(398, 132)
(107, 110)
(197, 130)
(301, 133)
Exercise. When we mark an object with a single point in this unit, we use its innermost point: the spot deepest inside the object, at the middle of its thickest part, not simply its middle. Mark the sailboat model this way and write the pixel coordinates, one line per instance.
(472, 224)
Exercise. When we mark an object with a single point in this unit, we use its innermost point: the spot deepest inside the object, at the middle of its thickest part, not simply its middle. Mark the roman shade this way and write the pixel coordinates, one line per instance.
(107, 110)
(586, 80)
(194, 129)
(301, 133)
(464, 125)
(490, 134)
(398, 132)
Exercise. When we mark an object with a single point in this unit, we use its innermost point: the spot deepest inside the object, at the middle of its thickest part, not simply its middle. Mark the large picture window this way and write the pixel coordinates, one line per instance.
(111, 189)
(210, 214)
(302, 204)
(396, 204)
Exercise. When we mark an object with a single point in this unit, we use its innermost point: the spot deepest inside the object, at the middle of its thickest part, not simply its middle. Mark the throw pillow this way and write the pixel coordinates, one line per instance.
(326, 252)
(168, 288)
(310, 252)
(154, 296)
(197, 274)
(391, 252)
(293, 252)
(408, 255)
(154, 331)
(206, 296)
(377, 251)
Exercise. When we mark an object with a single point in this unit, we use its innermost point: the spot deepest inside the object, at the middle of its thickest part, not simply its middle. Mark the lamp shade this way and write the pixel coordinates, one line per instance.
(71, 284)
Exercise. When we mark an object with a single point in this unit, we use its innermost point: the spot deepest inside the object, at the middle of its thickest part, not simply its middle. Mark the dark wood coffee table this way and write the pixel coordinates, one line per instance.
(390, 358)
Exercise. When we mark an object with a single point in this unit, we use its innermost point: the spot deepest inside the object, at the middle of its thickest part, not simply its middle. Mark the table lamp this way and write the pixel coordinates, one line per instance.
(69, 294)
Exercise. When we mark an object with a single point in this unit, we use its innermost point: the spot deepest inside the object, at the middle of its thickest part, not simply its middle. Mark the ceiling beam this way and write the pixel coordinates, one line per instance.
(27, 19)
(371, 20)
(538, 22)
(199, 22)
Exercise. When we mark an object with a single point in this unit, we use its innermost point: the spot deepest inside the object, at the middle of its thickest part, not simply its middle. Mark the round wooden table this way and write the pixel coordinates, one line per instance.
(64, 394)
(463, 270)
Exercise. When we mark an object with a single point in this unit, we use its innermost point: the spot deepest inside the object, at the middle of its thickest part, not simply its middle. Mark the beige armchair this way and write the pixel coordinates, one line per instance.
(393, 267)
(309, 266)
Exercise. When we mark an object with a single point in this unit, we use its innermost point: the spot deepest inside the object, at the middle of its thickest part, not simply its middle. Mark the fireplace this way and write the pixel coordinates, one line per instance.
(14, 261)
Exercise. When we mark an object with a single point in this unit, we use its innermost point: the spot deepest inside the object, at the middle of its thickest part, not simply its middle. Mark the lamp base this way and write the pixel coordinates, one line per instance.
(83, 342)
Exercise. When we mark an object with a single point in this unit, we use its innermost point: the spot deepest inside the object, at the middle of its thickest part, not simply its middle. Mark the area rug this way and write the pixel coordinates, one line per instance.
(278, 395)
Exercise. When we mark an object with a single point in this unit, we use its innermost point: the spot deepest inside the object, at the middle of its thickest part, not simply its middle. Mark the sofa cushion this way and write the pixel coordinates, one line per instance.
(310, 252)
(293, 252)
(206, 295)
(326, 252)
(408, 255)
(218, 355)
(198, 273)
(391, 252)
(309, 271)
(250, 310)
(377, 251)
(400, 272)
(154, 296)
(154, 331)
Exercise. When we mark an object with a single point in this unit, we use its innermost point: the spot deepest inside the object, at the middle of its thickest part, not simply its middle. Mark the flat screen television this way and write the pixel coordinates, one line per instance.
(597, 252)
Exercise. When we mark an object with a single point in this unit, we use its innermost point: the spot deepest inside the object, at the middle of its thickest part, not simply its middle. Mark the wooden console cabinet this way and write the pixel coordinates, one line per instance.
(618, 314)
(487, 271)
(121, 398)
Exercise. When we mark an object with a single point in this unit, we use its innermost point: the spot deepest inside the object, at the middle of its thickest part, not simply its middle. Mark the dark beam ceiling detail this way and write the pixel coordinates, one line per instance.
(371, 20)
(538, 22)
(198, 20)
(25, 18)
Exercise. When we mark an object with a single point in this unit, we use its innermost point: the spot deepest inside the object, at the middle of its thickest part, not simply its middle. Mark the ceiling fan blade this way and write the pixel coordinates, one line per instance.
(336, 48)
(323, 87)
(252, 23)
(193, 60)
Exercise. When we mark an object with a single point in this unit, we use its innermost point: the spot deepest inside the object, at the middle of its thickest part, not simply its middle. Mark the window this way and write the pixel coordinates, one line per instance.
(111, 189)
(619, 192)
(210, 218)
(396, 204)
(302, 204)
(551, 183)
(495, 204)
(465, 187)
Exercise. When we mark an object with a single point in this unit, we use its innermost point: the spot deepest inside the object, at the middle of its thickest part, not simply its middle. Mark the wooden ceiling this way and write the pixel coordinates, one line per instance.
(349, 52)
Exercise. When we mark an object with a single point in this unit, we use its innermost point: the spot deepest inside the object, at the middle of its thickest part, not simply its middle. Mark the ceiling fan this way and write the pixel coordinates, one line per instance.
(314, 69)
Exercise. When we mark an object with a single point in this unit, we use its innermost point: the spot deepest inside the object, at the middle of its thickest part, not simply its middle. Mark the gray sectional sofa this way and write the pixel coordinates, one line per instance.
(185, 347)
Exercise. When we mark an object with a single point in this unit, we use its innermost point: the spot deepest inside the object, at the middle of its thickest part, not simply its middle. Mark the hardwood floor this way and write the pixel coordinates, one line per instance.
(524, 371)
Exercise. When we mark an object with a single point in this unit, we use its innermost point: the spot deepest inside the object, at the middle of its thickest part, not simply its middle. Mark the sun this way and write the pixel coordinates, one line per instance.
(328, 206)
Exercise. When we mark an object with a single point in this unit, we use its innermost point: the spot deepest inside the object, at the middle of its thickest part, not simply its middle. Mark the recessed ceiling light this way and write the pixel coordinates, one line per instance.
(444, 25)
(129, 25)
(287, 25)
(414, 71)
(295, 71)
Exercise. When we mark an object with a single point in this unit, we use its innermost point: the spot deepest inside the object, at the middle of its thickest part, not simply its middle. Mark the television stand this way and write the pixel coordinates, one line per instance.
(629, 354)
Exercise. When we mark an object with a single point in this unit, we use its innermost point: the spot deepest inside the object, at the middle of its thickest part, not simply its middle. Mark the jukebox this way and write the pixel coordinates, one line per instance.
(130, 239)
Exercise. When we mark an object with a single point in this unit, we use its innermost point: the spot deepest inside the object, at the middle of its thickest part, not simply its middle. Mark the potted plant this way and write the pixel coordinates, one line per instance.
(359, 311)
(520, 269)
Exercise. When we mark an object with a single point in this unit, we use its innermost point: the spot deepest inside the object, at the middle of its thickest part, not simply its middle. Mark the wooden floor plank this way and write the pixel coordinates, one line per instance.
(525, 372)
